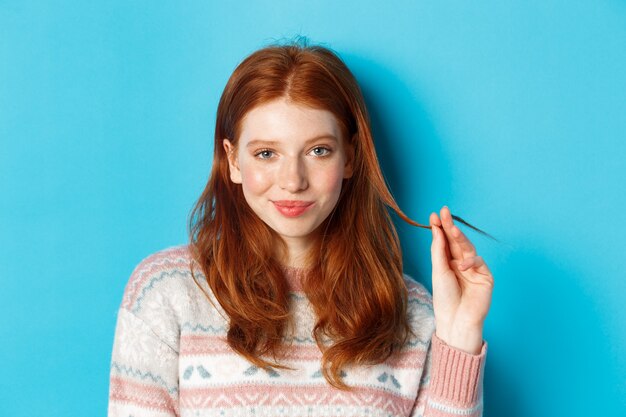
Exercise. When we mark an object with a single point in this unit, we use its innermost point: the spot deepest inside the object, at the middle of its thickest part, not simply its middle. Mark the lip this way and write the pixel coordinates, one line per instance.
(292, 203)
(292, 208)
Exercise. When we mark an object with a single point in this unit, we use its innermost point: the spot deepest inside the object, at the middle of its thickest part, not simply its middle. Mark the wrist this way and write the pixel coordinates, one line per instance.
(469, 340)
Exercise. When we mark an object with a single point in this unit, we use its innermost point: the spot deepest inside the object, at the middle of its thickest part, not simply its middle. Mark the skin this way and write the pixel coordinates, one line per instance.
(462, 285)
(294, 168)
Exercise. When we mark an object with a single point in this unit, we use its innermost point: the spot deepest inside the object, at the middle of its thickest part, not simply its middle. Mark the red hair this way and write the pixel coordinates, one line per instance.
(355, 286)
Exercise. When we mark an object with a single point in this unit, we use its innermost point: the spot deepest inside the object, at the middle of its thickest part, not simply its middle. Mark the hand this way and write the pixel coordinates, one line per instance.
(462, 285)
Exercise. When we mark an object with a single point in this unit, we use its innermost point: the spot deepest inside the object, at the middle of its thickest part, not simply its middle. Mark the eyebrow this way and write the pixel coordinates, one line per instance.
(257, 142)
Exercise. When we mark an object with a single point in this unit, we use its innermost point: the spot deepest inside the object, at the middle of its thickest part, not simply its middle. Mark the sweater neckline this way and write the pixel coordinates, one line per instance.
(294, 276)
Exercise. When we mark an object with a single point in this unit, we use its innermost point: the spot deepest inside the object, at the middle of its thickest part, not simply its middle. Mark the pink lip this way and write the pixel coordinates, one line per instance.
(292, 208)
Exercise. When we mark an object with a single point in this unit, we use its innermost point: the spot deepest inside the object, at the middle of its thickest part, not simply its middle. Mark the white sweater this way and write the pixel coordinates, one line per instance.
(170, 358)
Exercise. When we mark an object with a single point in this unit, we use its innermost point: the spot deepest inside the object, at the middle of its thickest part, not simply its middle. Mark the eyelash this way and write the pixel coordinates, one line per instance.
(261, 151)
(328, 151)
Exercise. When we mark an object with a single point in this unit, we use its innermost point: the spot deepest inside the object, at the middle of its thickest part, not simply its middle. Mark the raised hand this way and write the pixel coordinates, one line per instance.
(462, 285)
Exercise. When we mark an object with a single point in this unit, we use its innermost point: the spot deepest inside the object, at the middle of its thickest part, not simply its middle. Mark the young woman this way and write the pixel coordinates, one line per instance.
(290, 298)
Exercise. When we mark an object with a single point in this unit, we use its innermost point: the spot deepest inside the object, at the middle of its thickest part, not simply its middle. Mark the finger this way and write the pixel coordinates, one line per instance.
(465, 245)
(435, 220)
(447, 224)
(438, 247)
(475, 262)
(472, 261)
(460, 246)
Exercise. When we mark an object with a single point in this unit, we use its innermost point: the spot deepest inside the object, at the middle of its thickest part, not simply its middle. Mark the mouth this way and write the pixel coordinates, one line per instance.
(292, 208)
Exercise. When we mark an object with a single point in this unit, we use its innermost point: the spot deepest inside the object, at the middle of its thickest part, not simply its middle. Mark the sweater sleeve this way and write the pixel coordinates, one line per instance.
(452, 382)
(144, 371)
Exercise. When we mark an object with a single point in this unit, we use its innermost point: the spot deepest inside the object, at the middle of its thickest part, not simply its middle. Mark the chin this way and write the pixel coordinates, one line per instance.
(291, 234)
(294, 232)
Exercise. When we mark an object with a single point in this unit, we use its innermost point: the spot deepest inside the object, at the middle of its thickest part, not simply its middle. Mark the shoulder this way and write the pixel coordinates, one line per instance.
(418, 293)
(160, 275)
(154, 298)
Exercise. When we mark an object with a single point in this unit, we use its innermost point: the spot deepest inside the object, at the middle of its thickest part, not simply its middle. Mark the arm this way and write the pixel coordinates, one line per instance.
(144, 363)
(144, 371)
(452, 382)
(462, 287)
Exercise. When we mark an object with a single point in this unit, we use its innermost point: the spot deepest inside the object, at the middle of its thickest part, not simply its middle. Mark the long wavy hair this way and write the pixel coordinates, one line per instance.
(355, 283)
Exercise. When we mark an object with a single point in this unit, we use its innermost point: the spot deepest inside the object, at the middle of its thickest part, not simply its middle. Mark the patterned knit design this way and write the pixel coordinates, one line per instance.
(170, 358)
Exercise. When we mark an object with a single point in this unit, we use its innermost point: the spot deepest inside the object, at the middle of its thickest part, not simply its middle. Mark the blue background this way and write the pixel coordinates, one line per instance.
(511, 113)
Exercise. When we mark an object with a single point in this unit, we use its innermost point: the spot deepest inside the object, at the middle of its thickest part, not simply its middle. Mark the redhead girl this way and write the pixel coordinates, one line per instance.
(290, 298)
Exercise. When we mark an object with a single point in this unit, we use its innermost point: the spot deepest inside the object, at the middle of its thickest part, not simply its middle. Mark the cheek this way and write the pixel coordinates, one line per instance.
(255, 180)
(331, 180)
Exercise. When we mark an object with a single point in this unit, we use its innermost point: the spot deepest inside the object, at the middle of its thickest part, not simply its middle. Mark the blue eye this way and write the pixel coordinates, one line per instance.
(264, 154)
(325, 151)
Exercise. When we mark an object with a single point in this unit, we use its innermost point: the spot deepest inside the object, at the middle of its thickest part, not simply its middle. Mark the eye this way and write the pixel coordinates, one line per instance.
(264, 154)
(321, 151)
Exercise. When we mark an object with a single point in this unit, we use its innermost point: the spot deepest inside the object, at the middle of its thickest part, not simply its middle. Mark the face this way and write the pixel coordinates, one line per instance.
(290, 161)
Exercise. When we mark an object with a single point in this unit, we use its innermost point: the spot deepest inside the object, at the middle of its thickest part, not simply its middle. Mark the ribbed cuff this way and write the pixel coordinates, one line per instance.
(456, 376)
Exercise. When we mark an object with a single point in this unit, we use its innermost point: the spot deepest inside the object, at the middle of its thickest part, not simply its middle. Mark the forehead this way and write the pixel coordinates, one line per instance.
(283, 120)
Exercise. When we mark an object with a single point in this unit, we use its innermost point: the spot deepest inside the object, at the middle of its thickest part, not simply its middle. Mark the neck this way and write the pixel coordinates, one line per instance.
(297, 250)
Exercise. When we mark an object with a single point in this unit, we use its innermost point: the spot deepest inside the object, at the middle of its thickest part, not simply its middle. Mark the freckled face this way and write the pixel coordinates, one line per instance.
(290, 161)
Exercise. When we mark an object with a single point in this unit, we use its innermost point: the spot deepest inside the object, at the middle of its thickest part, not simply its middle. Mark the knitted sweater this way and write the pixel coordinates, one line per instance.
(170, 358)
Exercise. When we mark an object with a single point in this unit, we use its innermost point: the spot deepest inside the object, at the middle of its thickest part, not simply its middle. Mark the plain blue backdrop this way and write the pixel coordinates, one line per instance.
(513, 113)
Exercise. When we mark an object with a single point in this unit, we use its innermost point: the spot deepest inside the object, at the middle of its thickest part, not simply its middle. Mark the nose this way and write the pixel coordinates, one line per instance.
(292, 175)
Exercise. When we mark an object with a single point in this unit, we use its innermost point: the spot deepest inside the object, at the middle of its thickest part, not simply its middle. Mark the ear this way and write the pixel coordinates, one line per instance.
(349, 166)
(233, 164)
